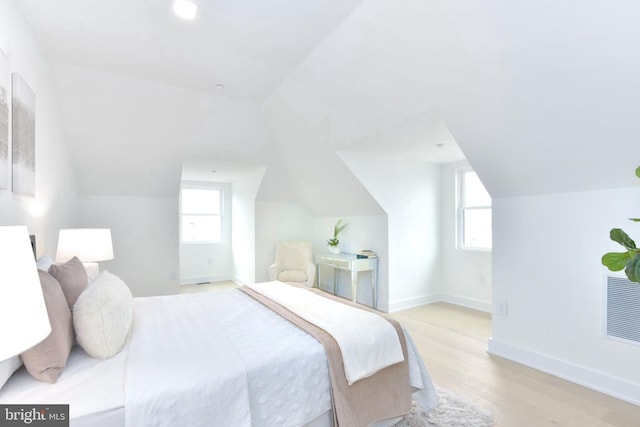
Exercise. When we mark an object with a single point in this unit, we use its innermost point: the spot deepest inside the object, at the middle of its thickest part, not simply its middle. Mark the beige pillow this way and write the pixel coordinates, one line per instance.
(46, 360)
(72, 278)
(292, 276)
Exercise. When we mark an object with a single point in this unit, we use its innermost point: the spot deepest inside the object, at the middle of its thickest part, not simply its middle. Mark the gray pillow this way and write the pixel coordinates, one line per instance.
(46, 360)
(72, 278)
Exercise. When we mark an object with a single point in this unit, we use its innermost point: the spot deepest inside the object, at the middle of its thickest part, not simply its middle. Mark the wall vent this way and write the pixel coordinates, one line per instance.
(622, 306)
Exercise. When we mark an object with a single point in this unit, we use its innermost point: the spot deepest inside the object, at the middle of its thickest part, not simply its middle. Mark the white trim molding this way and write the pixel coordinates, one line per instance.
(194, 280)
(440, 297)
(467, 302)
(413, 302)
(599, 381)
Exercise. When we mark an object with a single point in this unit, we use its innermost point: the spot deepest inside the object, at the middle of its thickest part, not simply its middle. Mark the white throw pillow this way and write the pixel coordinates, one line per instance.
(102, 316)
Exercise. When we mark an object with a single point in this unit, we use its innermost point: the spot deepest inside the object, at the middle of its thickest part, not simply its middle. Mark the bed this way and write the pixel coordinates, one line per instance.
(209, 359)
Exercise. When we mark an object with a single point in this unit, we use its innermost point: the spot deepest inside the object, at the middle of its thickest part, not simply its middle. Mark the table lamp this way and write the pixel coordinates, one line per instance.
(90, 245)
(24, 321)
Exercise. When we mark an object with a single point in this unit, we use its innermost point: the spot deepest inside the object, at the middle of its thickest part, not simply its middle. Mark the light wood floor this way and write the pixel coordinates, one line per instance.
(453, 342)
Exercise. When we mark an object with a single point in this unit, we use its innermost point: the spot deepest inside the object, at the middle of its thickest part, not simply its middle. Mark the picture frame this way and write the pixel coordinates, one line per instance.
(5, 157)
(23, 141)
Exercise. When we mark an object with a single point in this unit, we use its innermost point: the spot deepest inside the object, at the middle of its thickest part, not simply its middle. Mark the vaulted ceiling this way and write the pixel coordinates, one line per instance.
(540, 96)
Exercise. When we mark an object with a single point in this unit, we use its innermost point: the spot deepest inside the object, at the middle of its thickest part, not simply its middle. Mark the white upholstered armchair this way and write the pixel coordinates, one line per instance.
(293, 263)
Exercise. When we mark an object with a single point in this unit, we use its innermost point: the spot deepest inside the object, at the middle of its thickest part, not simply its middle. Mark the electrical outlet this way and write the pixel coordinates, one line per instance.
(502, 308)
(483, 279)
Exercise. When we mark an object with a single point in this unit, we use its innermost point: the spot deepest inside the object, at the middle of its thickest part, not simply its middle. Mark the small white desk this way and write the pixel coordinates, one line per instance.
(352, 263)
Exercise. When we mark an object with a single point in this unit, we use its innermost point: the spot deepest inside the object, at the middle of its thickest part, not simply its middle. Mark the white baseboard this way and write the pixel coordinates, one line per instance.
(616, 387)
(467, 302)
(238, 281)
(413, 302)
(203, 279)
(440, 297)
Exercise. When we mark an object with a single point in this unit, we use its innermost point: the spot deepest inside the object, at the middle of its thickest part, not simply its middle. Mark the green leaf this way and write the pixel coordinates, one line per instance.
(638, 171)
(633, 269)
(616, 261)
(337, 229)
(635, 219)
(617, 235)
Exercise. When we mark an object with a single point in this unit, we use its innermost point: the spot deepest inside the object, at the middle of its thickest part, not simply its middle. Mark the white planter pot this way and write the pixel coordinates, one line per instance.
(334, 249)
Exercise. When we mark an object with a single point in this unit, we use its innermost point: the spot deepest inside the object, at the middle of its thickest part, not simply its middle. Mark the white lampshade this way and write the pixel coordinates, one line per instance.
(24, 321)
(88, 244)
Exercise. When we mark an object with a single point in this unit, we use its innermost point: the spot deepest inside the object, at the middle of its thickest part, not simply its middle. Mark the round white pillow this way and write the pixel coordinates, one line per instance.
(102, 316)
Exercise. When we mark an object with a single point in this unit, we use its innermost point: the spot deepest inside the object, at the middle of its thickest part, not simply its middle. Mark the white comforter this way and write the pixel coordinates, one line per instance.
(221, 359)
(367, 341)
(185, 376)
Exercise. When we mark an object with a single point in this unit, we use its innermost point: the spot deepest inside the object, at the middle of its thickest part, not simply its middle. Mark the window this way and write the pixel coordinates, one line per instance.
(474, 212)
(201, 215)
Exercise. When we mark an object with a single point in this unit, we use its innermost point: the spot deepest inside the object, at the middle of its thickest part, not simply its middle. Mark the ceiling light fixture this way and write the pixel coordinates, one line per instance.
(185, 9)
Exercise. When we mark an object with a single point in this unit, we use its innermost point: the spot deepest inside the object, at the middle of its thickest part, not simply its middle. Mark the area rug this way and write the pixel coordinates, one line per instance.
(452, 411)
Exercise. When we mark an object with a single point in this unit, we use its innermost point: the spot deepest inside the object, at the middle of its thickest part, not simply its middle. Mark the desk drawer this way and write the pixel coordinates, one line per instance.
(339, 263)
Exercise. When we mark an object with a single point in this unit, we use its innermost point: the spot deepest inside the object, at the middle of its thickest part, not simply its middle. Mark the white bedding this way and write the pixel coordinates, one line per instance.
(368, 343)
(236, 367)
(286, 377)
(92, 387)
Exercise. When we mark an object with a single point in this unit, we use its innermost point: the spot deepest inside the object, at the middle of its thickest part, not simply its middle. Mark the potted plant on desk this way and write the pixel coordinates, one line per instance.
(334, 242)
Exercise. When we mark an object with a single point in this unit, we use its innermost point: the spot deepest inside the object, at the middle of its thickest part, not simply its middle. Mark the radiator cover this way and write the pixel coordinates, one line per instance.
(622, 309)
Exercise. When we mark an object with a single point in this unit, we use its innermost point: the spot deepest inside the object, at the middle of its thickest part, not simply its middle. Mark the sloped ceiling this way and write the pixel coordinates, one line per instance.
(249, 46)
(540, 96)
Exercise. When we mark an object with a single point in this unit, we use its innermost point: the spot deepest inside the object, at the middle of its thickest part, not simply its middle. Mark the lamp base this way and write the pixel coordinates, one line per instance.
(92, 269)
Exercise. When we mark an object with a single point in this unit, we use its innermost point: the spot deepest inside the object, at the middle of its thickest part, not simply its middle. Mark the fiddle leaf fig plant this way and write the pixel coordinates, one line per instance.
(337, 229)
(629, 260)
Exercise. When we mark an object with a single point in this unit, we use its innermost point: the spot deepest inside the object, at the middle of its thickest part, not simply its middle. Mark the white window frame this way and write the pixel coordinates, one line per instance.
(460, 210)
(221, 194)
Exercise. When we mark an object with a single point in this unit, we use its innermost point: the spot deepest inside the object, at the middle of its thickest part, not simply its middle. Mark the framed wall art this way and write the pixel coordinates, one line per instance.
(5, 84)
(23, 137)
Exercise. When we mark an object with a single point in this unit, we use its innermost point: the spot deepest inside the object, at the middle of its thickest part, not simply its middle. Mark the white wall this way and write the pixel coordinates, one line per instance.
(206, 262)
(277, 221)
(546, 266)
(145, 239)
(409, 192)
(54, 205)
(243, 234)
(466, 274)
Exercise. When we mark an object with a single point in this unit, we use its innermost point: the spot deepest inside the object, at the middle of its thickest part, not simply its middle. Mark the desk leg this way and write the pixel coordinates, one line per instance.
(354, 285)
(334, 280)
(374, 277)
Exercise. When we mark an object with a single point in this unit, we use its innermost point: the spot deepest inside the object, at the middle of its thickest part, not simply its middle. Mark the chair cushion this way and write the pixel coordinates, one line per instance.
(292, 276)
(293, 255)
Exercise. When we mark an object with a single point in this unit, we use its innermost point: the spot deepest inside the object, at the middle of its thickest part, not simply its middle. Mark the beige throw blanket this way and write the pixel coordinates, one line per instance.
(384, 395)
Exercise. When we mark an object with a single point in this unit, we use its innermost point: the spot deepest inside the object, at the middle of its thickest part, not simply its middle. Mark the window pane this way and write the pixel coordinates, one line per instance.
(197, 201)
(201, 228)
(477, 228)
(474, 192)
